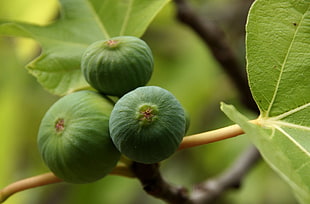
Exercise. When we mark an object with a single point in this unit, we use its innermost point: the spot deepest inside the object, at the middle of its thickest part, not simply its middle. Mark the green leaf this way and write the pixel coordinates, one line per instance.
(81, 22)
(278, 55)
(280, 149)
(278, 66)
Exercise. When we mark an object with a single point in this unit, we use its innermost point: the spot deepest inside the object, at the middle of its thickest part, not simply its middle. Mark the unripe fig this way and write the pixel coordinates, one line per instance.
(147, 124)
(74, 139)
(117, 65)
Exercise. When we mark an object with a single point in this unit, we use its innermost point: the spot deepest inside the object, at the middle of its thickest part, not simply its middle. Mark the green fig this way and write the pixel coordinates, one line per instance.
(117, 65)
(147, 124)
(74, 139)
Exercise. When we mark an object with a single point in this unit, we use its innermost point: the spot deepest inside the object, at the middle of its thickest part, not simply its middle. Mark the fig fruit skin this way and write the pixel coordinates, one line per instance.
(117, 65)
(147, 124)
(74, 139)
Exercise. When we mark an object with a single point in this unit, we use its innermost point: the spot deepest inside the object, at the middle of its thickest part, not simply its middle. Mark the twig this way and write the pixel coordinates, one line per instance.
(153, 183)
(204, 193)
(121, 169)
(210, 190)
(32, 182)
(214, 38)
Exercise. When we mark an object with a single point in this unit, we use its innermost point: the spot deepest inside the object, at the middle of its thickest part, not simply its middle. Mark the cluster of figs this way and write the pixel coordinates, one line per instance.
(83, 135)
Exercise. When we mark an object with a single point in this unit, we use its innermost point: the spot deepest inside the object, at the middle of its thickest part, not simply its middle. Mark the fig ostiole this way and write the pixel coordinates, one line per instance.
(117, 65)
(147, 124)
(74, 139)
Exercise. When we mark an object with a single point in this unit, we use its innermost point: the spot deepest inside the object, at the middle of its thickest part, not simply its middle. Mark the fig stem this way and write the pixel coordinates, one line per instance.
(212, 136)
(122, 170)
(24, 184)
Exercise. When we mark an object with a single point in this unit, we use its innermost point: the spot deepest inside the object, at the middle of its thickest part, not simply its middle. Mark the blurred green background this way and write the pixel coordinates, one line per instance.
(183, 65)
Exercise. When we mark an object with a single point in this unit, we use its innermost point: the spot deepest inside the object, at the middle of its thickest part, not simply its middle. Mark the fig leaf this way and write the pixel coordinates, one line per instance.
(80, 23)
(278, 62)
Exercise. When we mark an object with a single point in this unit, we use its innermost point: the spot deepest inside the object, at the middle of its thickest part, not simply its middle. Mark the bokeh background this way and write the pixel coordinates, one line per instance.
(183, 65)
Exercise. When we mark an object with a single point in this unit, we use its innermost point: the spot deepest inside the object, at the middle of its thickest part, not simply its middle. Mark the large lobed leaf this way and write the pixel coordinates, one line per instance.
(81, 22)
(278, 66)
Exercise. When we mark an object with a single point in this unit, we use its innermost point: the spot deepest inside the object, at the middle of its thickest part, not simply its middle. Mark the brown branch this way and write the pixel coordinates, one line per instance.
(204, 193)
(212, 189)
(214, 38)
(153, 183)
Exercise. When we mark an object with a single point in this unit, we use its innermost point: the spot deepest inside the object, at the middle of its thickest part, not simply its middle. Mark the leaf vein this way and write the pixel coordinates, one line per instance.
(291, 125)
(304, 165)
(283, 66)
(288, 113)
(126, 18)
(286, 177)
(293, 140)
(97, 19)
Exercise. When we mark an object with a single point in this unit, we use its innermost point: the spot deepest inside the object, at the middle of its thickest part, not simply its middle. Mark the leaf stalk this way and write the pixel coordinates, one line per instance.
(212, 136)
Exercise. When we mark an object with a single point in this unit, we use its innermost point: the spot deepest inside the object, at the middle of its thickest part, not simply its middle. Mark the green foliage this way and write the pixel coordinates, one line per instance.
(81, 22)
(278, 45)
(278, 59)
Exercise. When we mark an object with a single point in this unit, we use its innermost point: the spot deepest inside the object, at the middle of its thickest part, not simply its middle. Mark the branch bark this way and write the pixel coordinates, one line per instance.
(203, 193)
(154, 184)
(214, 39)
(231, 178)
